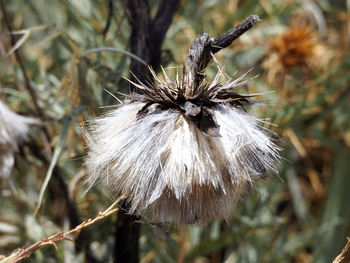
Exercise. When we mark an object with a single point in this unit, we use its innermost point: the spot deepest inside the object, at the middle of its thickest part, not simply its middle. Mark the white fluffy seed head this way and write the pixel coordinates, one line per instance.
(13, 130)
(170, 166)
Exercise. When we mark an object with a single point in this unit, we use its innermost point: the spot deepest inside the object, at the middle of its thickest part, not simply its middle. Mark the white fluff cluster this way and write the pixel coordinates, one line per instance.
(13, 130)
(169, 168)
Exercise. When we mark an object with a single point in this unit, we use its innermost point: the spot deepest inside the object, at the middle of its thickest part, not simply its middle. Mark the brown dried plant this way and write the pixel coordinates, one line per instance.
(23, 253)
(344, 255)
(297, 47)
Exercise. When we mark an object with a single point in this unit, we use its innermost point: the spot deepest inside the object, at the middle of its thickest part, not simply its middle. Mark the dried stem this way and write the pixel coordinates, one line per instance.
(201, 49)
(147, 34)
(72, 210)
(182, 244)
(25, 253)
(344, 256)
(146, 39)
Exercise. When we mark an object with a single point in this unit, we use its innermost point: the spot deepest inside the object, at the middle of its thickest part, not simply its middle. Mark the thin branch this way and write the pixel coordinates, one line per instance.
(202, 48)
(109, 18)
(72, 211)
(25, 253)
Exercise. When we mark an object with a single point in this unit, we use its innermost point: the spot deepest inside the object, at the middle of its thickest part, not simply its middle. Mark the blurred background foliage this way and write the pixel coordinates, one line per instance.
(300, 51)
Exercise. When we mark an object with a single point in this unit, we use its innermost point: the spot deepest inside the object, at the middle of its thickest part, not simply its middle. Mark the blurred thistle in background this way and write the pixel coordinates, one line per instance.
(13, 131)
(298, 47)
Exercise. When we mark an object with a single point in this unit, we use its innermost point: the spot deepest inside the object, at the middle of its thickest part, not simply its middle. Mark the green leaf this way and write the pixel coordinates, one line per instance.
(298, 199)
(335, 222)
(66, 123)
(101, 49)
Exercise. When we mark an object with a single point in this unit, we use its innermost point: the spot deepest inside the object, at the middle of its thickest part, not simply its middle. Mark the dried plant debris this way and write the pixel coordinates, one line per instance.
(13, 130)
(183, 157)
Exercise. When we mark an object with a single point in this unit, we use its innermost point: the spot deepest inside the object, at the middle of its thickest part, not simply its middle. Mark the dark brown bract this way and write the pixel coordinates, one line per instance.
(196, 106)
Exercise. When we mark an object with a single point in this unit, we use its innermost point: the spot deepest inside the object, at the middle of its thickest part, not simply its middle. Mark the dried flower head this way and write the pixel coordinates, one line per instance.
(13, 130)
(183, 155)
(297, 47)
(183, 151)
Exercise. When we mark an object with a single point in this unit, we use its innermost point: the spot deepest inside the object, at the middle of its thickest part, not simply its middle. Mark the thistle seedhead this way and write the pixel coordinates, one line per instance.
(182, 160)
(183, 151)
(298, 47)
(13, 130)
